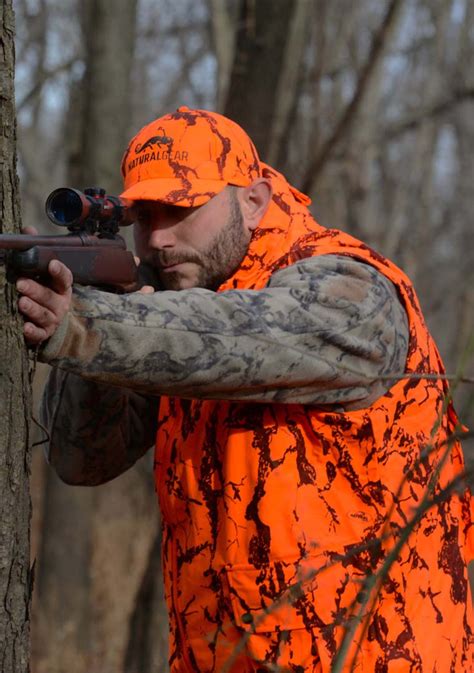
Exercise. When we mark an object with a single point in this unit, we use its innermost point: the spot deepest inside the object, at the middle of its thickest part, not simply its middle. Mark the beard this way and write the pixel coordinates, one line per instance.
(214, 265)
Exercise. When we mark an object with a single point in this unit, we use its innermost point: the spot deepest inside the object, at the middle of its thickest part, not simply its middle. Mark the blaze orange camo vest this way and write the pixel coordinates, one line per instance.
(280, 521)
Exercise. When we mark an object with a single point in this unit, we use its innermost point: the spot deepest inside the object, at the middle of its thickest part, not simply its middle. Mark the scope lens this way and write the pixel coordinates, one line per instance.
(64, 206)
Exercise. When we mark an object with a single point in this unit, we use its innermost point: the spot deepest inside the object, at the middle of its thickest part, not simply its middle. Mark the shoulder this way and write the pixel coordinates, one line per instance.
(338, 281)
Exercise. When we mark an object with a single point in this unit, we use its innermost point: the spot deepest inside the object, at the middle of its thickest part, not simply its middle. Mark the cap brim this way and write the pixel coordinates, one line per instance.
(173, 191)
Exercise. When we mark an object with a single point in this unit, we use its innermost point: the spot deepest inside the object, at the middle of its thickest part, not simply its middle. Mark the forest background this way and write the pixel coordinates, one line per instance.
(367, 106)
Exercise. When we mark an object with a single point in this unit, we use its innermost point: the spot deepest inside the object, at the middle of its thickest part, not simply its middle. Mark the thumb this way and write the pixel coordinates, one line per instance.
(147, 289)
(30, 231)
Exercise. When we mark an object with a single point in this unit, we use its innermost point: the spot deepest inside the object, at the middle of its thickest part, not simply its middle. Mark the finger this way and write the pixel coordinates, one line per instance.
(37, 314)
(146, 289)
(136, 260)
(34, 335)
(30, 231)
(62, 276)
(39, 293)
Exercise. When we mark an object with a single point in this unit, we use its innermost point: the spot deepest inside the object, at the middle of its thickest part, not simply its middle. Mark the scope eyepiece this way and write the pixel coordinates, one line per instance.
(91, 209)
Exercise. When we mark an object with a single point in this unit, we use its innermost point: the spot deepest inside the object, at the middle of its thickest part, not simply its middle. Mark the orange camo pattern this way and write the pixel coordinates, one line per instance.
(187, 157)
(275, 515)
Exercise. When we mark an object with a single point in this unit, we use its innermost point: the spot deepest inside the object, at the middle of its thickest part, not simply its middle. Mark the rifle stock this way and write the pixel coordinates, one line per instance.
(104, 263)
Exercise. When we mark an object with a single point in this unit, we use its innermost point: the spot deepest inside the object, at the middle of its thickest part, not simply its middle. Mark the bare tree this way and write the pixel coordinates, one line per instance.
(147, 649)
(263, 82)
(15, 577)
(82, 624)
(109, 30)
(223, 36)
(379, 41)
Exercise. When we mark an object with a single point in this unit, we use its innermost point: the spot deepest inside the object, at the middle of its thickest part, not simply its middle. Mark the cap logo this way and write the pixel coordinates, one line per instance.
(158, 141)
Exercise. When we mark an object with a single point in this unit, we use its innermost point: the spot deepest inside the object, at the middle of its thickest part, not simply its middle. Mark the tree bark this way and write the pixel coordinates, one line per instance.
(110, 41)
(259, 61)
(147, 650)
(95, 541)
(15, 577)
(223, 38)
(62, 626)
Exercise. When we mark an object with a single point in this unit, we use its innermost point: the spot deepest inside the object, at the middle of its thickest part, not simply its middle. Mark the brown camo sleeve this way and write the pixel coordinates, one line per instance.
(95, 431)
(327, 330)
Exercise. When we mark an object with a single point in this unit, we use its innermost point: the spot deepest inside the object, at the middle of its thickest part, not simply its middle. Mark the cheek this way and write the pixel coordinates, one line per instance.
(198, 235)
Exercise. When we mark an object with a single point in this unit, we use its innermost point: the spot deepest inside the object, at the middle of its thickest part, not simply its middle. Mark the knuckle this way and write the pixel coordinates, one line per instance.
(33, 291)
(35, 309)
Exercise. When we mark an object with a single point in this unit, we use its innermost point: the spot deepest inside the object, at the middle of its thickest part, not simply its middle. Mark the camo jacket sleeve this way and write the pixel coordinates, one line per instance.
(328, 330)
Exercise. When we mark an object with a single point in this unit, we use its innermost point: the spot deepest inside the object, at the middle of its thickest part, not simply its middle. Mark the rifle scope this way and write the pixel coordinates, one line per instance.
(69, 207)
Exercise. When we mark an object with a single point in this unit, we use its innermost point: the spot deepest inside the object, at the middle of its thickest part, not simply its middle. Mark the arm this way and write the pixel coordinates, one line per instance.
(323, 332)
(96, 431)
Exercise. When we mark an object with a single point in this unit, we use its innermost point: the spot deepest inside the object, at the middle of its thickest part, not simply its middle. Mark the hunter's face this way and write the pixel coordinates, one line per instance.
(192, 247)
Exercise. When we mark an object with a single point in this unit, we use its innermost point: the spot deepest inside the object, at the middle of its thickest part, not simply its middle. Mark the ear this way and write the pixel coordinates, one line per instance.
(254, 201)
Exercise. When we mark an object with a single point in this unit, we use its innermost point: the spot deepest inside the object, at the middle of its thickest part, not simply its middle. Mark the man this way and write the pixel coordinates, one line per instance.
(302, 421)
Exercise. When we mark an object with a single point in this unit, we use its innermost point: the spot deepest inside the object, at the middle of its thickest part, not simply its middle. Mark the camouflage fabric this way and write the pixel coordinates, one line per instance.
(326, 330)
(306, 488)
(287, 527)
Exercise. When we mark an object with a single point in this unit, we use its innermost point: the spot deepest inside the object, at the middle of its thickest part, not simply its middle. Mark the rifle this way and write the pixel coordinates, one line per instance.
(93, 249)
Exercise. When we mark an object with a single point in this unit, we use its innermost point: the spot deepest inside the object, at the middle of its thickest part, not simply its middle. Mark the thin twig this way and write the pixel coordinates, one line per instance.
(45, 76)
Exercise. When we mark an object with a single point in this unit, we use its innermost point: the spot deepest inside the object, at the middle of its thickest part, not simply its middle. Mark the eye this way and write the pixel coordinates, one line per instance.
(171, 212)
(142, 215)
(178, 213)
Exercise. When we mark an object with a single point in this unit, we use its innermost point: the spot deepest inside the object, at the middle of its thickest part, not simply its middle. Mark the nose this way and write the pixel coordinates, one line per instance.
(161, 237)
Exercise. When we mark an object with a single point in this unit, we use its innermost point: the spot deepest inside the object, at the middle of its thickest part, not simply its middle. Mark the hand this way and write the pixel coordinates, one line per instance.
(45, 307)
(145, 289)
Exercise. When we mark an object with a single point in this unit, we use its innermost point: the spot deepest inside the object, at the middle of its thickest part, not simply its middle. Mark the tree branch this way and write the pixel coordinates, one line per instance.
(38, 85)
(342, 126)
(439, 108)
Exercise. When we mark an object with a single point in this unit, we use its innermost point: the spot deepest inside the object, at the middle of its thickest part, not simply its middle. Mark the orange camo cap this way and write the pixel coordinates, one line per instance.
(187, 157)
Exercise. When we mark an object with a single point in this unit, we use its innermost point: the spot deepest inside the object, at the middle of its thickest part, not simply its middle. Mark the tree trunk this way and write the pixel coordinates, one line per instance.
(223, 39)
(109, 29)
(255, 99)
(15, 578)
(147, 650)
(62, 626)
(95, 541)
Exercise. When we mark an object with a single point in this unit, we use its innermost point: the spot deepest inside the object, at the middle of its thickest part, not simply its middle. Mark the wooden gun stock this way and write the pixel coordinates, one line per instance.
(101, 262)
